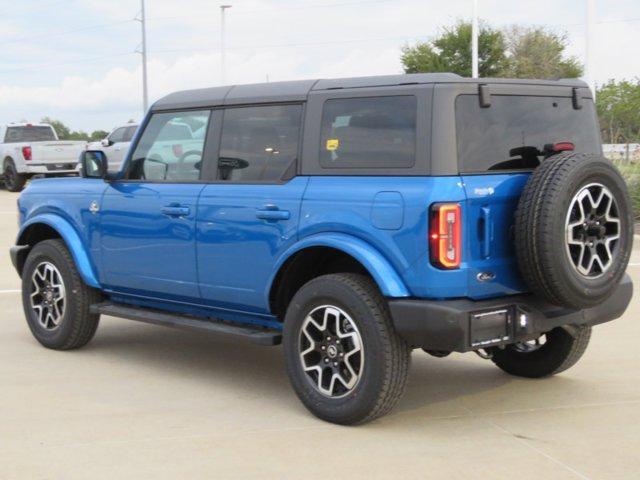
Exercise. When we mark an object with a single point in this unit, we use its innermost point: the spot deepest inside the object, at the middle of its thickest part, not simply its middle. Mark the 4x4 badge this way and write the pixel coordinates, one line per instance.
(94, 207)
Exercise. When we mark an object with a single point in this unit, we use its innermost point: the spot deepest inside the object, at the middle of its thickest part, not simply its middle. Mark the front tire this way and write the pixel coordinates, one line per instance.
(343, 357)
(56, 301)
(561, 350)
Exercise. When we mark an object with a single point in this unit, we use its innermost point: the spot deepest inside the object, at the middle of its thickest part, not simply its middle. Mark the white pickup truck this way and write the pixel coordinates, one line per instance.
(28, 149)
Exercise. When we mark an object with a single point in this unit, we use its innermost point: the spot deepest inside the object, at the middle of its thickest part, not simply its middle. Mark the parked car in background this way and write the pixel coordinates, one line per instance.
(116, 145)
(29, 149)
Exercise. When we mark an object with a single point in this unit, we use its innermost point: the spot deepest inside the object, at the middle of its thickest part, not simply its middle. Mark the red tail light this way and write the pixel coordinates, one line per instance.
(563, 147)
(26, 153)
(177, 150)
(445, 237)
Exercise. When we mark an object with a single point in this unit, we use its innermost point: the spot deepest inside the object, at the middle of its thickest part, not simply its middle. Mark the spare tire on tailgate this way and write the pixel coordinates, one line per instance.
(574, 230)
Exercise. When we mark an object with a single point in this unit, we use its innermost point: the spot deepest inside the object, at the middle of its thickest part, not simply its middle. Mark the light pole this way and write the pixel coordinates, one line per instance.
(589, 44)
(474, 41)
(223, 53)
(143, 53)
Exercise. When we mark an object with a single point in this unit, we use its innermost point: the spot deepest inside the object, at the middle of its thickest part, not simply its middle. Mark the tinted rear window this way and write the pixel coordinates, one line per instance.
(372, 132)
(512, 132)
(29, 134)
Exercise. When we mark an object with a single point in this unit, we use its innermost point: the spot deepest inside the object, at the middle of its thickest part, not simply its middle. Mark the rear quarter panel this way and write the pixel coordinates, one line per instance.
(391, 215)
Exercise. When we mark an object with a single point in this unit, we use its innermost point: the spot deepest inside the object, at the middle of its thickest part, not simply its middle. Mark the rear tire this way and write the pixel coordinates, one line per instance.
(561, 351)
(13, 181)
(369, 365)
(55, 299)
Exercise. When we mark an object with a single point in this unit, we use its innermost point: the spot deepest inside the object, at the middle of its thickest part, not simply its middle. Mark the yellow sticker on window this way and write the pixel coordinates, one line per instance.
(333, 144)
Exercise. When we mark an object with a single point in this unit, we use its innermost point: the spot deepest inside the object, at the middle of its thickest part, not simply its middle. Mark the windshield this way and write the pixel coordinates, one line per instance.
(29, 134)
(512, 133)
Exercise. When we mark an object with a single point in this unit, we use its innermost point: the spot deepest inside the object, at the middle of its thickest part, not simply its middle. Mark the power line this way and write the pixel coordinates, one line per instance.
(37, 5)
(286, 45)
(71, 62)
(279, 9)
(65, 32)
(243, 47)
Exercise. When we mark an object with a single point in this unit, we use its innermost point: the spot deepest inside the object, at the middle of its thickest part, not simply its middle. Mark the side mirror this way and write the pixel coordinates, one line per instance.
(106, 142)
(93, 164)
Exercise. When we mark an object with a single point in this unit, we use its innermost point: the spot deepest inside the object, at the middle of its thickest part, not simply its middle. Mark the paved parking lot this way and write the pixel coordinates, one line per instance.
(147, 402)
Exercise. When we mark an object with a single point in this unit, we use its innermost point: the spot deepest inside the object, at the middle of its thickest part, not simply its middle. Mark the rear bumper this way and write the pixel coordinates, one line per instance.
(52, 168)
(464, 325)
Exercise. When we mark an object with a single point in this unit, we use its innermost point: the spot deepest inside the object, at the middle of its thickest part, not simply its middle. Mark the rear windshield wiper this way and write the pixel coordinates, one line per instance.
(529, 158)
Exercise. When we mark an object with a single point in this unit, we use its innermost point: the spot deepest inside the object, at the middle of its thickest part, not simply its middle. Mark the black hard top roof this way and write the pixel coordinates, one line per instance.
(298, 90)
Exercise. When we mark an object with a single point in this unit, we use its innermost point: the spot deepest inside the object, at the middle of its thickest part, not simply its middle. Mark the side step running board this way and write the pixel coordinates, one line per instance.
(246, 333)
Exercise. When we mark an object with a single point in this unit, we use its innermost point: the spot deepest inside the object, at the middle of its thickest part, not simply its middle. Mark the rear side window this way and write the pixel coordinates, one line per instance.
(512, 132)
(371, 132)
(259, 144)
(29, 134)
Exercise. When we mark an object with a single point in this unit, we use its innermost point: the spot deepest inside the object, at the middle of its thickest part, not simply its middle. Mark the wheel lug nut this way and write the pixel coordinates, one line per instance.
(326, 360)
(335, 364)
(328, 339)
(341, 354)
(323, 347)
(337, 341)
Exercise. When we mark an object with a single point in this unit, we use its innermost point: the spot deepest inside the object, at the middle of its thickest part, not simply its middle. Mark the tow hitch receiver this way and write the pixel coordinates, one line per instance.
(491, 327)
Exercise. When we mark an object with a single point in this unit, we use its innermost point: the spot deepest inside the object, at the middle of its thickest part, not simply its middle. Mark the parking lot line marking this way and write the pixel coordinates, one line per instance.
(10, 291)
(635, 264)
(8, 213)
(525, 443)
(539, 451)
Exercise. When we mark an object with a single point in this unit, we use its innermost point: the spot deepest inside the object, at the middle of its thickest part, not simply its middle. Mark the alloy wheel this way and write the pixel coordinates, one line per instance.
(48, 296)
(331, 351)
(592, 230)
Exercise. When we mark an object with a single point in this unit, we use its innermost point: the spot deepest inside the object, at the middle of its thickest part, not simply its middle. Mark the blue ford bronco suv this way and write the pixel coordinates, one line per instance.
(353, 220)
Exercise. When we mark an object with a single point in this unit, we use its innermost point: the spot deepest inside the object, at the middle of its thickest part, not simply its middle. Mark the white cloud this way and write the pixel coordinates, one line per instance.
(283, 40)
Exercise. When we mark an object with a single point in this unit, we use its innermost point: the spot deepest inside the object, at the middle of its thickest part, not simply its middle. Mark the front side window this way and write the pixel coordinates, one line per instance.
(372, 132)
(117, 135)
(259, 144)
(512, 132)
(171, 148)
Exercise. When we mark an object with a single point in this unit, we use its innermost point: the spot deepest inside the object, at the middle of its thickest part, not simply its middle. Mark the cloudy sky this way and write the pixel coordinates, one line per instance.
(75, 59)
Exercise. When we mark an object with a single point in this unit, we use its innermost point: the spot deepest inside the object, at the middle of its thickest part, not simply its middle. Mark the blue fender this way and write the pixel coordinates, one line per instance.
(73, 241)
(388, 280)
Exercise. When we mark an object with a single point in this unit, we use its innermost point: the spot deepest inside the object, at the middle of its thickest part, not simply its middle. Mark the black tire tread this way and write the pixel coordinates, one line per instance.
(397, 349)
(20, 179)
(397, 352)
(567, 347)
(83, 323)
(582, 337)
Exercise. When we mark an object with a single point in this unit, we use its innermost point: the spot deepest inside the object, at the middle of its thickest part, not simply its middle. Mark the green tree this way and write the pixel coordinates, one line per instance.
(618, 105)
(535, 52)
(451, 52)
(98, 135)
(64, 133)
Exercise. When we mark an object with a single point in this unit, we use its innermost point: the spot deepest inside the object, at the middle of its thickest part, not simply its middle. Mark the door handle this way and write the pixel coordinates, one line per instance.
(273, 213)
(487, 231)
(175, 211)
